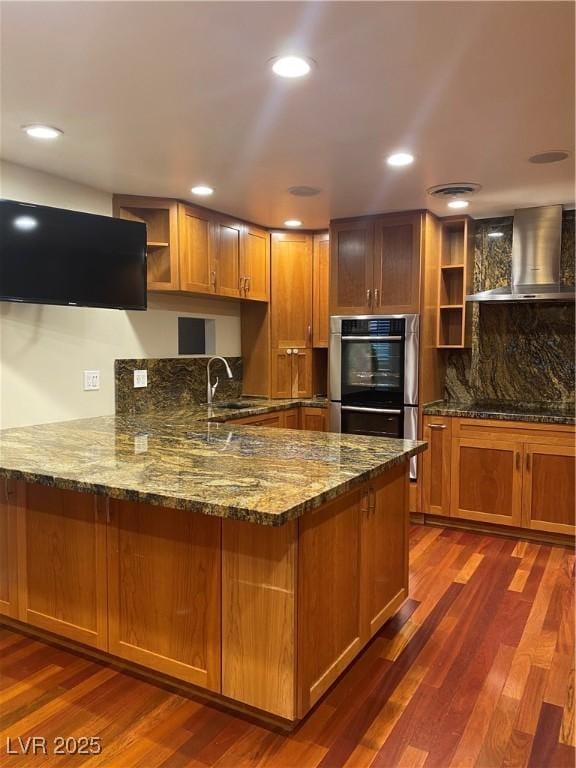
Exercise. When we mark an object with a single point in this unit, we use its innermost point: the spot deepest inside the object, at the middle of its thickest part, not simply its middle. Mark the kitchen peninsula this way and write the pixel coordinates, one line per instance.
(250, 562)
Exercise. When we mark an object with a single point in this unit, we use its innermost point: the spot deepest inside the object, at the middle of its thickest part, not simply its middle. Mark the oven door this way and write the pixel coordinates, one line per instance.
(372, 370)
(376, 422)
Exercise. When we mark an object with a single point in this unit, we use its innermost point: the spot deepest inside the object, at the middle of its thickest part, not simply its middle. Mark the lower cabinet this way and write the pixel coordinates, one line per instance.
(487, 481)
(509, 473)
(164, 590)
(314, 419)
(291, 418)
(291, 373)
(265, 420)
(549, 493)
(307, 418)
(62, 563)
(8, 549)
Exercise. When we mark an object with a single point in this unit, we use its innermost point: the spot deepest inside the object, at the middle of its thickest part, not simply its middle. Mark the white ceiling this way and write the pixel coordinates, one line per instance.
(157, 96)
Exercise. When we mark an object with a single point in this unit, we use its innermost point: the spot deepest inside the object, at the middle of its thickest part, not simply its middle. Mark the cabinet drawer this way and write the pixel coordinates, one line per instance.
(521, 431)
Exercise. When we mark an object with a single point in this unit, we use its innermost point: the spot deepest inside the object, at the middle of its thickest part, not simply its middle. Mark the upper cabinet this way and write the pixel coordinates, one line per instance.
(195, 250)
(375, 265)
(351, 266)
(291, 290)
(255, 265)
(320, 310)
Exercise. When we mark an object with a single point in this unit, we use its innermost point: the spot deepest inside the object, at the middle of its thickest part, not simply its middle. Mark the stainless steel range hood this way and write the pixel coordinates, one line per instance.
(536, 239)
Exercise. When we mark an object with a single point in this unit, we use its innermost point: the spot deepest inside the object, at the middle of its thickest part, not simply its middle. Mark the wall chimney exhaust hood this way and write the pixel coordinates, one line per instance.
(536, 237)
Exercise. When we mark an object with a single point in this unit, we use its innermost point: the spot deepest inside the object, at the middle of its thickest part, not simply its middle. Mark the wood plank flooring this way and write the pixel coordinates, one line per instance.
(477, 669)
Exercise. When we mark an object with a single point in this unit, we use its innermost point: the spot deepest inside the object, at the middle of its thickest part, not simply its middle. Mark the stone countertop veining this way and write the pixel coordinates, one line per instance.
(539, 413)
(184, 459)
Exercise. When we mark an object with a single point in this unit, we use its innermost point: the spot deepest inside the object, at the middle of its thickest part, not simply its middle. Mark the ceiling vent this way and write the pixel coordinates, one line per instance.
(455, 189)
(304, 191)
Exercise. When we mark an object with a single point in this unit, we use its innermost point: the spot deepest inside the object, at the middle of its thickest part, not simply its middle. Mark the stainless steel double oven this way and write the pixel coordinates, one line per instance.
(374, 376)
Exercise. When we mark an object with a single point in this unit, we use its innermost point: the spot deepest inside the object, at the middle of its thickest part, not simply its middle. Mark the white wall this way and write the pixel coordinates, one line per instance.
(45, 349)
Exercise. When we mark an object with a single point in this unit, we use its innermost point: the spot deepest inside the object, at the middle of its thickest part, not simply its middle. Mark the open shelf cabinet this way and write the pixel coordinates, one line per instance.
(161, 219)
(454, 282)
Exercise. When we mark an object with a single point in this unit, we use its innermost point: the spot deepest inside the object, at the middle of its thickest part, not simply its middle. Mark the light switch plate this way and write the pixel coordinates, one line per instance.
(140, 379)
(91, 380)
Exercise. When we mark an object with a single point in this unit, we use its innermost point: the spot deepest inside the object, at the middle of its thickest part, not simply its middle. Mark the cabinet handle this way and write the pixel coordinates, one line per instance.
(247, 281)
(288, 351)
(242, 283)
(528, 461)
(213, 273)
(372, 495)
(368, 296)
(376, 297)
(436, 426)
(366, 504)
(517, 460)
(310, 333)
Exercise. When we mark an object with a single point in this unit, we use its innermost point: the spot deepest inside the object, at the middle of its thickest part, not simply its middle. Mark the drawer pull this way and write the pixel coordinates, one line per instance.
(368, 297)
(437, 426)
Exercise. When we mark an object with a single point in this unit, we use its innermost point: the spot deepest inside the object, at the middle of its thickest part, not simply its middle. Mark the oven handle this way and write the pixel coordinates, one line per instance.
(372, 338)
(371, 410)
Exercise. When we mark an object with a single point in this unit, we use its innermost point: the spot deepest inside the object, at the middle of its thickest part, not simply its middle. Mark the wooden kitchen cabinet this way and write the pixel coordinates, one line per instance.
(228, 240)
(164, 590)
(255, 265)
(351, 266)
(437, 432)
(384, 532)
(161, 219)
(9, 490)
(264, 420)
(314, 419)
(397, 250)
(321, 286)
(548, 489)
(197, 250)
(291, 374)
(487, 480)
(62, 563)
(291, 418)
(291, 295)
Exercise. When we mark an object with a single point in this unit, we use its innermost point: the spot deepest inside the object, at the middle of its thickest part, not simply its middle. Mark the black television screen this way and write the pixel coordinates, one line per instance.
(56, 256)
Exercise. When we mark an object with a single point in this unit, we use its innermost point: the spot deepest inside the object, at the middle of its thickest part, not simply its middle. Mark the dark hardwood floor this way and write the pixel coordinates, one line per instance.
(477, 669)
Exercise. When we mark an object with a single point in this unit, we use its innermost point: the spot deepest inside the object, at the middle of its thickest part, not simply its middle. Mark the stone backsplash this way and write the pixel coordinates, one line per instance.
(520, 352)
(173, 382)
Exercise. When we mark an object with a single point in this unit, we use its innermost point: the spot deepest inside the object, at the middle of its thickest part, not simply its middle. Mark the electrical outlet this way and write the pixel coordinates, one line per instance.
(140, 379)
(141, 443)
(91, 380)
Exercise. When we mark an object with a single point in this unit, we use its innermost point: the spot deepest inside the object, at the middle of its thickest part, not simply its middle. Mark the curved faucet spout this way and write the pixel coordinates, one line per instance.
(211, 388)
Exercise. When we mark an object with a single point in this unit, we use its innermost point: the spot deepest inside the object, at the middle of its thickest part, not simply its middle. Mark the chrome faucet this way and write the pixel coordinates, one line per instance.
(211, 388)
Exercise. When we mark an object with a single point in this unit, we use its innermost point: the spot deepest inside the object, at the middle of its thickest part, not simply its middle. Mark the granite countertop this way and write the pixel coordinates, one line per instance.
(187, 459)
(539, 413)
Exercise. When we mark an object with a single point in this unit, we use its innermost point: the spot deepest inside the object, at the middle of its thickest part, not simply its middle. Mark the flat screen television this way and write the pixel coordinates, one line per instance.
(55, 256)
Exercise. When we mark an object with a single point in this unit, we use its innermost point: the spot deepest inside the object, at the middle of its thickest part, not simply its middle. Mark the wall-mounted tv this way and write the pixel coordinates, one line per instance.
(56, 256)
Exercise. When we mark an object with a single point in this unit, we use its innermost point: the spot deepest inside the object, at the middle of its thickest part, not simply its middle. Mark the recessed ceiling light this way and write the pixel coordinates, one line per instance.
(37, 131)
(400, 158)
(458, 204)
(291, 66)
(495, 234)
(551, 156)
(202, 190)
(292, 223)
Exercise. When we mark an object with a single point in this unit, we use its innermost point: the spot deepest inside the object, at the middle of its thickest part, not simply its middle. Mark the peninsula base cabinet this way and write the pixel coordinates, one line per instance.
(516, 474)
(264, 617)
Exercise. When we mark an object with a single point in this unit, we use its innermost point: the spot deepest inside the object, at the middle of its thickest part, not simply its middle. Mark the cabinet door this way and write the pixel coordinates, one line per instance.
(255, 265)
(196, 246)
(397, 264)
(164, 590)
(301, 373)
(549, 499)
(9, 491)
(436, 466)
(313, 419)
(291, 418)
(320, 311)
(487, 480)
(351, 267)
(62, 563)
(228, 237)
(281, 373)
(384, 585)
(291, 290)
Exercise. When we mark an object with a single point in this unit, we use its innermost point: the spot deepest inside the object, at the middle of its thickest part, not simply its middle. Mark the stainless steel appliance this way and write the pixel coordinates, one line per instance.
(374, 376)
